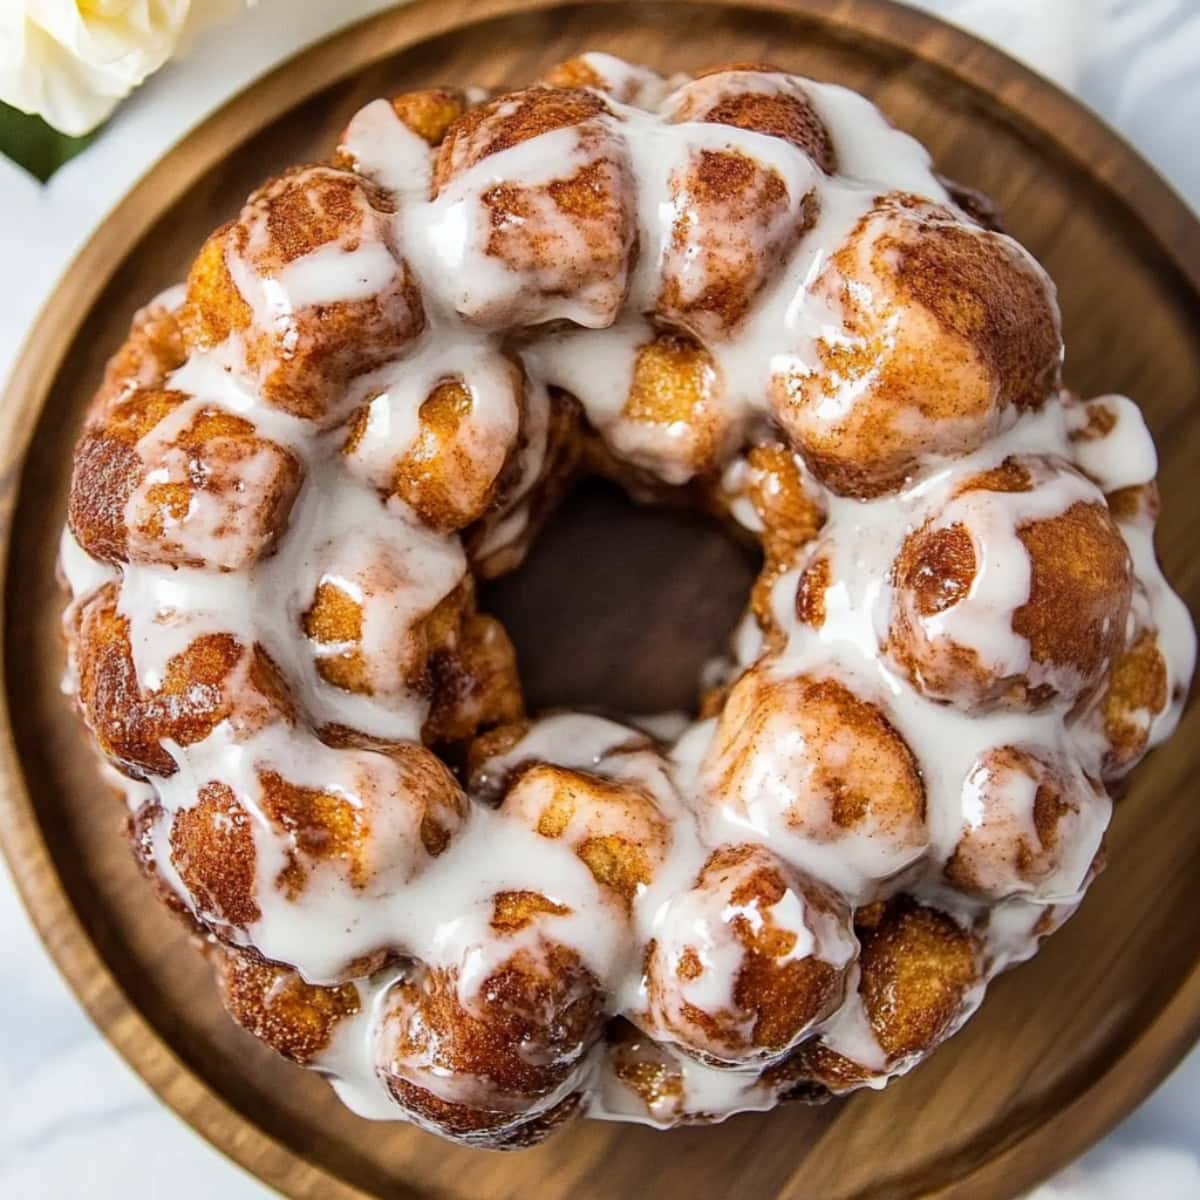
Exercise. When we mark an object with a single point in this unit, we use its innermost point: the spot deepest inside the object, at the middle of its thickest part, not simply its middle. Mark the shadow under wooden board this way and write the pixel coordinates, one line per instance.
(1062, 1048)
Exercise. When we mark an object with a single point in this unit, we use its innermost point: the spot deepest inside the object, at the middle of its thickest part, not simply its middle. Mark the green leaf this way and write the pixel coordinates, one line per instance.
(34, 145)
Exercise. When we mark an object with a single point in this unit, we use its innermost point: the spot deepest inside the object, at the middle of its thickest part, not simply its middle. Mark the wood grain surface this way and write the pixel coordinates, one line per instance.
(619, 606)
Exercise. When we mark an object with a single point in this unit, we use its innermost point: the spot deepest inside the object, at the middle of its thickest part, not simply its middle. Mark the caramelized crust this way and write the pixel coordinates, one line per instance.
(272, 1002)
(918, 968)
(214, 679)
(947, 328)
(482, 1072)
(1072, 621)
(615, 829)
(746, 905)
(205, 491)
(304, 349)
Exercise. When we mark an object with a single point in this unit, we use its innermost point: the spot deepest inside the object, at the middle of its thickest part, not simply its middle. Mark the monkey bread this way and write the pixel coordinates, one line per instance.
(743, 290)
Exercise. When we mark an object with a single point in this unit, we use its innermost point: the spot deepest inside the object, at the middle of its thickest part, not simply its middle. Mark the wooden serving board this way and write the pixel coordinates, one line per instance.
(619, 607)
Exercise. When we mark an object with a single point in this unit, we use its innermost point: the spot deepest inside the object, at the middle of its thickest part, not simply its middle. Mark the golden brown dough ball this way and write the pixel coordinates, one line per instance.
(474, 681)
(747, 960)
(758, 98)
(543, 467)
(615, 828)
(145, 828)
(310, 279)
(1047, 624)
(151, 351)
(575, 73)
(213, 852)
(625, 82)
(483, 1059)
(918, 975)
(738, 216)
(161, 478)
(428, 113)
(944, 331)
(918, 967)
(214, 678)
(381, 820)
(649, 1071)
(272, 1002)
(673, 422)
(737, 220)
(777, 486)
(508, 121)
(431, 111)
(443, 477)
(450, 468)
(213, 308)
(372, 644)
(1032, 826)
(326, 825)
(565, 244)
(820, 772)
(1137, 688)
(369, 635)
(1134, 693)
(784, 512)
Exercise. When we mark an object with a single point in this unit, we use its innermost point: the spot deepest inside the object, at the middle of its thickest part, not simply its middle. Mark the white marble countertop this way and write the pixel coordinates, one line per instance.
(74, 1120)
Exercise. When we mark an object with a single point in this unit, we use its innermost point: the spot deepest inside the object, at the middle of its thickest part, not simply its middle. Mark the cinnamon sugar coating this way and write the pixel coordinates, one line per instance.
(790, 946)
(294, 1018)
(805, 757)
(489, 1061)
(1072, 619)
(264, 277)
(204, 491)
(949, 330)
(615, 829)
(1027, 830)
(215, 680)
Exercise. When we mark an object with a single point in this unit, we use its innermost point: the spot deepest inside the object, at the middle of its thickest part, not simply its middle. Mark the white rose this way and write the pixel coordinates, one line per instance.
(72, 61)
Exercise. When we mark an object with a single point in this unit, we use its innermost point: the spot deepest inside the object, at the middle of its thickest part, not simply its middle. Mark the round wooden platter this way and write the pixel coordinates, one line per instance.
(1061, 1049)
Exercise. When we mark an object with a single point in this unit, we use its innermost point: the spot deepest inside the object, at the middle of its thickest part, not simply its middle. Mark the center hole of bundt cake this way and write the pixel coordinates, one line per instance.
(619, 605)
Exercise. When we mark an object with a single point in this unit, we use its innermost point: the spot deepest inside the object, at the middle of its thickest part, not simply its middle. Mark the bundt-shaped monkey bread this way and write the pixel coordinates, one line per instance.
(742, 287)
